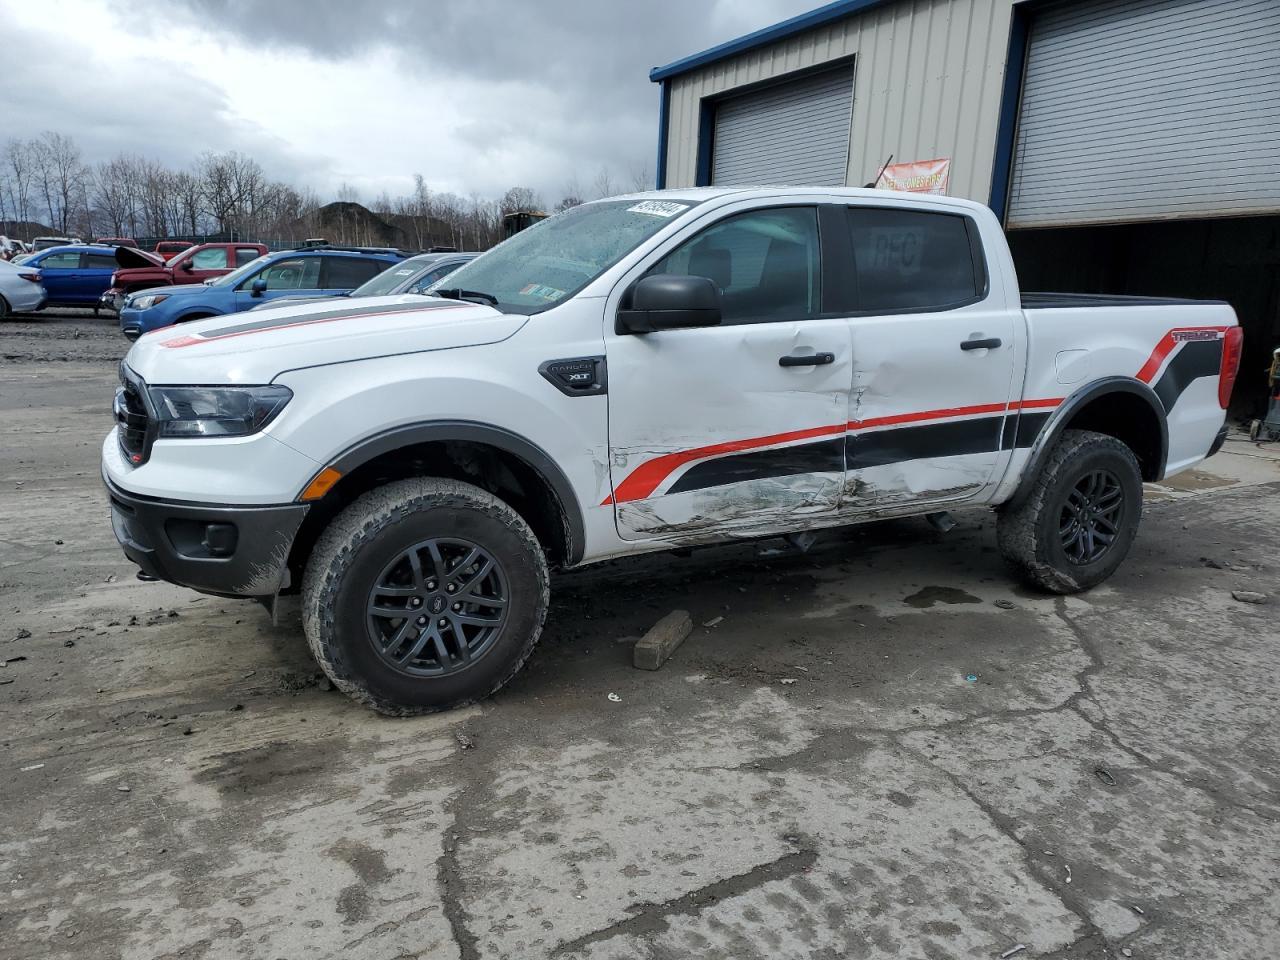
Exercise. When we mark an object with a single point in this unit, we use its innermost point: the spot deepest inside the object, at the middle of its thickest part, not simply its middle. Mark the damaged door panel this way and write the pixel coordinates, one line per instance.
(936, 354)
(737, 426)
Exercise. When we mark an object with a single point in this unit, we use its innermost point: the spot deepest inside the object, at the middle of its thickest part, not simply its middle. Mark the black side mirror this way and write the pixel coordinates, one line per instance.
(259, 286)
(669, 302)
(187, 266)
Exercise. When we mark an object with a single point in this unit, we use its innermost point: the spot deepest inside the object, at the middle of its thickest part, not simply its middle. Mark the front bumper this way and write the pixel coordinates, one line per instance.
(230, 551)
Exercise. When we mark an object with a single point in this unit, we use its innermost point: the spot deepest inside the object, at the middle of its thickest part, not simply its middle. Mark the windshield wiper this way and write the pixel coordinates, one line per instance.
(457, 293)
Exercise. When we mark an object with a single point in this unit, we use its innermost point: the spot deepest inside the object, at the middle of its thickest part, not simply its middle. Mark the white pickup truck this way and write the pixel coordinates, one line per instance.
(646, 373)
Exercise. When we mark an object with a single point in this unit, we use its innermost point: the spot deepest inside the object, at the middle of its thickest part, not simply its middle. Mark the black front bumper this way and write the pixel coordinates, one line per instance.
(230, 551)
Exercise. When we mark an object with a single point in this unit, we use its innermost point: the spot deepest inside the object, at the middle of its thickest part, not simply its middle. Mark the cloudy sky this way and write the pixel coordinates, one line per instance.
(476, 95)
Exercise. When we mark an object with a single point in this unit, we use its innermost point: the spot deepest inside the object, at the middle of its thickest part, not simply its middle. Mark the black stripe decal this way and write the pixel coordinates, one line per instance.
(858, 451)
(954, 439)
(1196, 359)
(825, 456)
(336, 314)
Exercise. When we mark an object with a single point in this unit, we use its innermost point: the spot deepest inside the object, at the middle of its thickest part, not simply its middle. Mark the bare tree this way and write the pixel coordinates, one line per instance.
(603, 184)
(640, 179)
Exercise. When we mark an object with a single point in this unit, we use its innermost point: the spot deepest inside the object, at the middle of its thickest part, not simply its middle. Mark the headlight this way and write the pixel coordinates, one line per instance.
(150, 300)
(216, 411)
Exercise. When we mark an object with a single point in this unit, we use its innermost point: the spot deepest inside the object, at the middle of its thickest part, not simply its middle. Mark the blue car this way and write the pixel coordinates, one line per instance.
(311, 271)
(75, 276)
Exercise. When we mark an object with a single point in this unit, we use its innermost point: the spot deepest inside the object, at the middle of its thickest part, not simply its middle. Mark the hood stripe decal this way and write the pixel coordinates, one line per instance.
(284, 323)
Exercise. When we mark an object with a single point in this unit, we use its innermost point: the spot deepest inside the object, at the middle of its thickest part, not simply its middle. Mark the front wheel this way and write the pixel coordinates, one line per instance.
(1076, 526)
(424, 594)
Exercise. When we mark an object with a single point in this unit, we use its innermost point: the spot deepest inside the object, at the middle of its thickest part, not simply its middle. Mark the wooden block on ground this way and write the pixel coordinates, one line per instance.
(653, 649)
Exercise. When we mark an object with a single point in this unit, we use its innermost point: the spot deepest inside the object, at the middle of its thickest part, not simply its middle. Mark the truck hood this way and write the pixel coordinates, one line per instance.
(131, 258)
(257, 347)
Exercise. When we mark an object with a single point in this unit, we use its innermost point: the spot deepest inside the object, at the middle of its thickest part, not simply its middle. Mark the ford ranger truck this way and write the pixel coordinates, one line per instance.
(646, 373)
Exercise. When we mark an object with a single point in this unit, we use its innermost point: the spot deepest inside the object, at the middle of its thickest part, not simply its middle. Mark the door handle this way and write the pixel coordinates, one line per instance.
(985, 343)
(807, 360)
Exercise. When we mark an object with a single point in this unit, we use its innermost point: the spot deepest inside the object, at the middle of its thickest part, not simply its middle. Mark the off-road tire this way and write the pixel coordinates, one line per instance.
(1028, 533)
(359, 542)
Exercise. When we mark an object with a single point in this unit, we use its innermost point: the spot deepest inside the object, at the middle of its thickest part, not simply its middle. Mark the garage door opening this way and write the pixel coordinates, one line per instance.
(1231, 259)
(794, 133)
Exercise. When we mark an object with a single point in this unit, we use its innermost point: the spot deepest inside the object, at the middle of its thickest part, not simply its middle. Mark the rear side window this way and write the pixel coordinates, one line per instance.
(215, 258)
(61, 261)
(101, 261)
(343, 273)
(766, 264)
(246, 255)
(909, 260)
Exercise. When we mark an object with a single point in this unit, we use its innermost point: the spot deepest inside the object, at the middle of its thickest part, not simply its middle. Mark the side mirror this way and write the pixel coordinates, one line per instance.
(187, 266)
(259, 286)
(669, 302)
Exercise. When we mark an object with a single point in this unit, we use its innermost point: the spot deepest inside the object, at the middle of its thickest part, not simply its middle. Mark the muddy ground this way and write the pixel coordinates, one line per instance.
(883, 748)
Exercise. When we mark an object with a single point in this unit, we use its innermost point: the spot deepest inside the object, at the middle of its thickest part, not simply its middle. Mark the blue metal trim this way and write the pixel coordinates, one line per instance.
(1010, 97)
(660, 175)
(706, 139)
(779, 31)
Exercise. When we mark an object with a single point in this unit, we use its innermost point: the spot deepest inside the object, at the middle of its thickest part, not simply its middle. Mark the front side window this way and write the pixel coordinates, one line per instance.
(346, 273)
(554, 259)
(215, 258)
(766, 264)
(293, 273)
(913, 260)
(431, 276)
(61, 261)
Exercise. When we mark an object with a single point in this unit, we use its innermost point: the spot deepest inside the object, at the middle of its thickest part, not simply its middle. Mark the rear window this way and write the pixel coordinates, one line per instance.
(101, 261)
(246, 255)
(909, 260)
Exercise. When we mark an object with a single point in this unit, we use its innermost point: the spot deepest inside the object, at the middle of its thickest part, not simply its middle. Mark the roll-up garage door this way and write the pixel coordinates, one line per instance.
(795, 133)
(1146, 109)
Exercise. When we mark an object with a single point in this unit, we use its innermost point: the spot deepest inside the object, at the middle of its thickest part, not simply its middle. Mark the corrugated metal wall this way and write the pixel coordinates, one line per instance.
(927, 84)
(1138, 109)
(795, 132)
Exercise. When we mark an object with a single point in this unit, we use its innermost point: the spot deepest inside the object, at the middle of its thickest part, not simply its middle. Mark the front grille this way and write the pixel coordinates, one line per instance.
(132, 417)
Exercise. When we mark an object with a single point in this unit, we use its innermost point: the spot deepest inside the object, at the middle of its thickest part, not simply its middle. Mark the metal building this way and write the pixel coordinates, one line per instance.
(1128, 145)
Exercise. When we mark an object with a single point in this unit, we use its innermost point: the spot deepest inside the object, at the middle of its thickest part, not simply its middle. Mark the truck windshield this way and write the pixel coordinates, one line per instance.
(235, 276)
(552, 260)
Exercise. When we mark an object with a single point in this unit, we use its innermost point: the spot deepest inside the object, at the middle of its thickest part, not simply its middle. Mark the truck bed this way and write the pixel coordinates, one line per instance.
(1047, 301)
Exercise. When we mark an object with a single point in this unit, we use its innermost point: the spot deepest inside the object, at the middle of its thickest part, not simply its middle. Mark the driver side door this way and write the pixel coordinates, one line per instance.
(735, 428)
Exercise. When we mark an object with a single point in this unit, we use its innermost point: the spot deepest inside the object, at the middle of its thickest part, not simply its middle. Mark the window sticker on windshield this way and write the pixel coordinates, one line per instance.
(404, 273)
(659, 208)
(542, 291)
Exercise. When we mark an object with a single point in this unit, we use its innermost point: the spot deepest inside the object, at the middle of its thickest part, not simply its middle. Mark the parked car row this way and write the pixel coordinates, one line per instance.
(149, 291)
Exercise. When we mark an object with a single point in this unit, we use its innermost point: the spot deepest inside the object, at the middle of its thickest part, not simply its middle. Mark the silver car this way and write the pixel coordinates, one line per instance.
(413, 275)
(20, 289)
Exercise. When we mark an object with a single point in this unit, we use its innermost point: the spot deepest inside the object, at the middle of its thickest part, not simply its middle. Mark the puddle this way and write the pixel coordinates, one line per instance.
(928, 596)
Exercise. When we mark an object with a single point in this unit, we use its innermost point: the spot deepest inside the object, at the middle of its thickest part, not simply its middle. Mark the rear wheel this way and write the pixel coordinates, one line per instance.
(423, 595)
(1076, 526)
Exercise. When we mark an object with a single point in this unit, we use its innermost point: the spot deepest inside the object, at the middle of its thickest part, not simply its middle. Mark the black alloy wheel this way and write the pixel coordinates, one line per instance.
(1091, 517)
(437, 608)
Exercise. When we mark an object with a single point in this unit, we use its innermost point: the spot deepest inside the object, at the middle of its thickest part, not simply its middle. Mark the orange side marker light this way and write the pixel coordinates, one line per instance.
(322, 484)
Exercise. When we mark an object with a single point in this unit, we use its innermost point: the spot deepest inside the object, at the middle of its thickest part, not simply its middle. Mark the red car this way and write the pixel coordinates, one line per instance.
(168, 249)
(140, 269)
(118, 241)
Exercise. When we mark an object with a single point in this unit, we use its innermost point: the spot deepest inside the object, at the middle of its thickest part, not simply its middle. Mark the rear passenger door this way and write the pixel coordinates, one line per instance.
(343, 274)
(933, 356)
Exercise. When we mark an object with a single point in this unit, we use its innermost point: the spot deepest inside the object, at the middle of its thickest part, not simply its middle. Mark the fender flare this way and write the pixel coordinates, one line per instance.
(1052, 432)
(530, 453)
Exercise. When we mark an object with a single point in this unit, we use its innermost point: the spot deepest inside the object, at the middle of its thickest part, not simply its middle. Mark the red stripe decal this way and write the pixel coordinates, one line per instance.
(644, 479)
(647, 477)
(1165, 347)
(188, 340)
